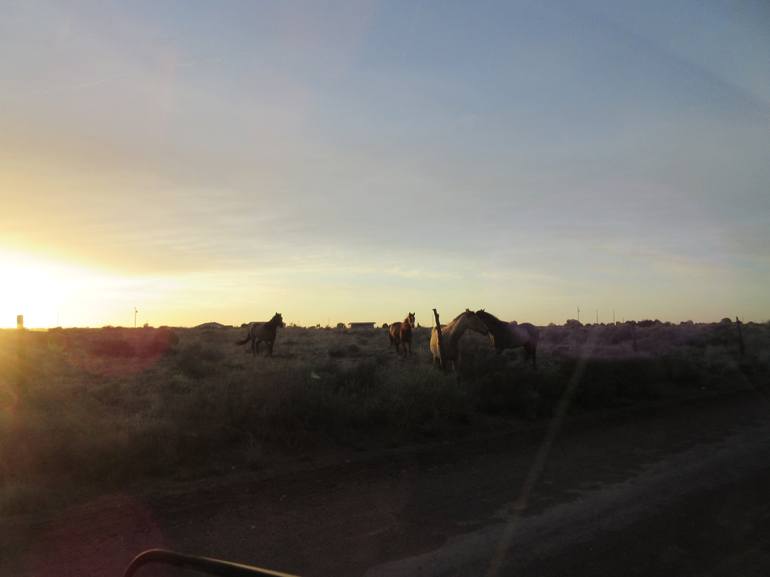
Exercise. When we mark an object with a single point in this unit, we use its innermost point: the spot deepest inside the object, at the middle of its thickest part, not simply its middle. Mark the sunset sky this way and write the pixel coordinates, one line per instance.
(208, 161)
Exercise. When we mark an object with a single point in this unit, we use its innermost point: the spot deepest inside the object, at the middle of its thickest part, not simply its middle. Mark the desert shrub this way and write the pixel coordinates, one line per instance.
(112, 347)
(162, 341)
(606, 382)
(344, 351)
(505, 393)
(723, 334)
(198, 361)
(620, 334)
(358, 379)
(682, 369)
(337, 352)
(211, 405)
(556, 335)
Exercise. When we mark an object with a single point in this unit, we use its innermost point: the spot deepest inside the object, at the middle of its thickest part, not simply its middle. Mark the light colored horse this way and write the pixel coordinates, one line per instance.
(511, 335)
(451, 333)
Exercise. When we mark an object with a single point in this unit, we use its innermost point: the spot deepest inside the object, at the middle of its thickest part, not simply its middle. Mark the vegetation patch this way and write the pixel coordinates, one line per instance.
(94, 410)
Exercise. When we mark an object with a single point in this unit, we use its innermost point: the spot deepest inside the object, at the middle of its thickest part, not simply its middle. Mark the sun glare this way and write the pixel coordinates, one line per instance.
(36, 288)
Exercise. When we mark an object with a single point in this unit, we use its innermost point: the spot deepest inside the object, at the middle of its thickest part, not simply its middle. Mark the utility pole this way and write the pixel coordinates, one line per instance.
(578, 311)
(136, 312)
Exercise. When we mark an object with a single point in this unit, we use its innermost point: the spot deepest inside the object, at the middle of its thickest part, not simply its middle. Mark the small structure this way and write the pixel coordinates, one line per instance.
(19, 321)
(360, 326)
(216, 325)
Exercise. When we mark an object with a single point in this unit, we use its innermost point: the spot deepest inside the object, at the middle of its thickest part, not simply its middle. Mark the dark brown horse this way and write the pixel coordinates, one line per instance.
(400, 334)
(511, 335)
(263, 332)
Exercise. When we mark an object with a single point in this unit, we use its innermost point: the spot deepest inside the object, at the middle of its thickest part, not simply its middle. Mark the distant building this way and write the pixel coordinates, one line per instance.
(362, 325)
(19, 321)
(214, 325)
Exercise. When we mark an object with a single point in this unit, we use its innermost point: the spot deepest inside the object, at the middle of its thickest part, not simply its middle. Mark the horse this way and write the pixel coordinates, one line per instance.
(450, 337)
(400, 334)
(263, 332)
(511, 335)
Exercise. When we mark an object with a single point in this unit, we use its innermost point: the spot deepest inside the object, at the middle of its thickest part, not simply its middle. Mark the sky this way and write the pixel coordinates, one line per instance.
(355, 161)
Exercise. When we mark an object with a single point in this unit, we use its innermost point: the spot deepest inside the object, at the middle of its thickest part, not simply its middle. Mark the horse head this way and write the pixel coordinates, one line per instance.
(474, 323)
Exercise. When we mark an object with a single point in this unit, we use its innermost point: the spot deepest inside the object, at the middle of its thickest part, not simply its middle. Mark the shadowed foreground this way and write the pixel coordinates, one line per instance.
(677, 489)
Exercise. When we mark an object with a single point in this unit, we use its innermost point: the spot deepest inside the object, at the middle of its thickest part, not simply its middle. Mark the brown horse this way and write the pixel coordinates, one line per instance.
(511, 335)
(400, 334)
(263, 332)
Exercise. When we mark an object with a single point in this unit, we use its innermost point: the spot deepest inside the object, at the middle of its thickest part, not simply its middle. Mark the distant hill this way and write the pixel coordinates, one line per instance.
(213, 325)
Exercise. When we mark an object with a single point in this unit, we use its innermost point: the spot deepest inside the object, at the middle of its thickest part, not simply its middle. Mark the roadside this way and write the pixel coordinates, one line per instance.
(347, 518)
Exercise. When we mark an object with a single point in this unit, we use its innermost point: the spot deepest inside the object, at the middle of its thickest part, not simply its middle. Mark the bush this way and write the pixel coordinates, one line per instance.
(197, 361)
(210, 406)
(113, 347)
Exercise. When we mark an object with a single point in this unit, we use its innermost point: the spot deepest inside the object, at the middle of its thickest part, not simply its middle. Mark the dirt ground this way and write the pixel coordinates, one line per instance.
(675, 489)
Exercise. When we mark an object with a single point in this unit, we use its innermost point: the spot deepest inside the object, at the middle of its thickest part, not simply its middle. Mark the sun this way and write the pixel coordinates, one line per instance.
(34, 287)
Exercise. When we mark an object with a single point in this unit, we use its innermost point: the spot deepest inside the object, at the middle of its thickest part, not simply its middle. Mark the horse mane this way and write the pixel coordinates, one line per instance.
(454, 321)
(497, 328)
(484, 314)
(276, 321)
(489, 318)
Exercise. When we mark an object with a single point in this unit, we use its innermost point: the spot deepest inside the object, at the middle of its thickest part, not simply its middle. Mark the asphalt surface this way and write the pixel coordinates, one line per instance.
(666, 490)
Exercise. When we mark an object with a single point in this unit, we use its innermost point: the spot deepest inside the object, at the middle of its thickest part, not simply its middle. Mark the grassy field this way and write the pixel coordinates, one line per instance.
(84, 411)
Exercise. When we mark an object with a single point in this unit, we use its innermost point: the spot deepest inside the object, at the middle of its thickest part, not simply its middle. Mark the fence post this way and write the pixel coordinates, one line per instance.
(440, 340)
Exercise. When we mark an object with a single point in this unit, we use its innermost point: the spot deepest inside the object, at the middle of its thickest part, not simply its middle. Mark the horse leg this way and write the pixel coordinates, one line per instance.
(270, 348)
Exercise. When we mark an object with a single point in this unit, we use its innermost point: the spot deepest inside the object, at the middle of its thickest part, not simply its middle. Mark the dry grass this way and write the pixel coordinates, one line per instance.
(102, 408)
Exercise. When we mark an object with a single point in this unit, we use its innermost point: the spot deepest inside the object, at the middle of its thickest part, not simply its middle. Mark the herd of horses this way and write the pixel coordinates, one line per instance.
(444, 350)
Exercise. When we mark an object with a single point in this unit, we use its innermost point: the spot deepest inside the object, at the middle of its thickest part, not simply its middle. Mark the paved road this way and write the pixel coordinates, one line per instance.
(669, 490)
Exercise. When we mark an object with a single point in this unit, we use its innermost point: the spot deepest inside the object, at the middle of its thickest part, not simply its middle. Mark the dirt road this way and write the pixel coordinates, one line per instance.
(667, 490)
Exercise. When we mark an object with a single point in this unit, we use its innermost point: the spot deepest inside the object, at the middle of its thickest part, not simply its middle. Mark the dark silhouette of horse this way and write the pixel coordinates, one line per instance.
(263, 332)
(511, 335)
(400, 334)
